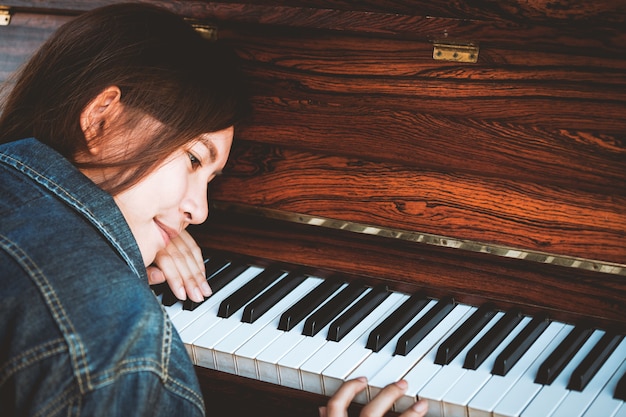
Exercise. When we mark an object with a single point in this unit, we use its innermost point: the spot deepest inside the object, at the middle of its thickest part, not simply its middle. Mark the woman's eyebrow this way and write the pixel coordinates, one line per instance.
(211, 147)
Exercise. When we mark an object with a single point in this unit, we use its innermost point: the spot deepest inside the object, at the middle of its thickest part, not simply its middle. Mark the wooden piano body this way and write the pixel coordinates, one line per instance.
(376, 150)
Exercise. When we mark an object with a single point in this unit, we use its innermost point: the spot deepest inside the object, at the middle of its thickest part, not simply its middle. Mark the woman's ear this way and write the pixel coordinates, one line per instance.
(98, 114)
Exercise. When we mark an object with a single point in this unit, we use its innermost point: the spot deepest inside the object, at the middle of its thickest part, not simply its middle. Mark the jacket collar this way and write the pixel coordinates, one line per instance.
(59, 176)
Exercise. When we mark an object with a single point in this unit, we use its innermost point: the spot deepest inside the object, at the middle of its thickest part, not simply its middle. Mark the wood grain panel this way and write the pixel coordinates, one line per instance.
(506, 212)
(500, 148)
(524, 119)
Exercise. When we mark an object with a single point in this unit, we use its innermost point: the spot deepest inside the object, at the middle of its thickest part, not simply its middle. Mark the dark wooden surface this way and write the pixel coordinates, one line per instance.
(354, 120)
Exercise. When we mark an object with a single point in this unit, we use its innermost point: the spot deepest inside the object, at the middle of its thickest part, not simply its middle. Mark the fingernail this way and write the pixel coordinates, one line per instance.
(420, 406)
(402, 384)
(198, 295)
(181, 294)
(206, 289)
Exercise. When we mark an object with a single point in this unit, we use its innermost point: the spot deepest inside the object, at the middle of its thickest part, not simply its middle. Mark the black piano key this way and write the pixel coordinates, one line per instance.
(488, 343)
(168, 299)
(518, 346)
(248, 292)
(218, 280)
(620, 389)
(214, 265)
(158, 289)
(388, 328)
(226, 275)
(268, 299)
(355, 314)
(593, 361)
(558, 359)
(326, 313)
(453, 345)
(305, 306)
(423, 326)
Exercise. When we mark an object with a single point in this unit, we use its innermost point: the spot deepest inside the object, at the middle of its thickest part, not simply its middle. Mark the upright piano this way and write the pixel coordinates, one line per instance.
(454, 173)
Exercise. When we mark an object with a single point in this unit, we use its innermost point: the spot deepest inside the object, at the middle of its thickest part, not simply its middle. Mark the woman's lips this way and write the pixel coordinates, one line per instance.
(166, 232)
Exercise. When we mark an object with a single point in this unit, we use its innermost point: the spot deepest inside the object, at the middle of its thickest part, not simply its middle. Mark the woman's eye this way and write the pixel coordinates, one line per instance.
(195, 162)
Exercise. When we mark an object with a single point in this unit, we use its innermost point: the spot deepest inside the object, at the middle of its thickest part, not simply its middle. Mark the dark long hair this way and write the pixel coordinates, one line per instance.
(163, 67)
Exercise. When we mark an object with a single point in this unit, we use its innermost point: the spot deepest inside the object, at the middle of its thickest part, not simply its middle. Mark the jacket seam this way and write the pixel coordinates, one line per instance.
(75, 347)
(30, 357)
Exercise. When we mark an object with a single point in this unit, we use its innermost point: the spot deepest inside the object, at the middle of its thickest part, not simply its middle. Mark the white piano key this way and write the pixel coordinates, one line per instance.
(225, 349)
(419, 365)
(495, 389)
(311, 370)
(576, 402)
(246, 355)
(449, 374)
(289, 365)
(173, 310)
(621, 412)
(550, 396)
(379, 360)
(525, 389)
(457, 398)
(604, 404)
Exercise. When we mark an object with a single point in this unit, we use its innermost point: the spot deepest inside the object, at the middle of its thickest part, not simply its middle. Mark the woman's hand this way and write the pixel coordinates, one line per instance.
(182, 266)
(338, 404)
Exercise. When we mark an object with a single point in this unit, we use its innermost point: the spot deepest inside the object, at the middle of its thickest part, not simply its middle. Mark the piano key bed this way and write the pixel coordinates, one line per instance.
(308, 333)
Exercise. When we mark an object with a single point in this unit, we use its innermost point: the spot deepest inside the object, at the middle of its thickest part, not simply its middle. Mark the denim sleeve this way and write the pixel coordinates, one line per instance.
(137, 394)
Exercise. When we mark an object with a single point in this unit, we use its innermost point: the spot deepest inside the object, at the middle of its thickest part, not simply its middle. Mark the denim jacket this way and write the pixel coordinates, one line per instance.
(81, 333)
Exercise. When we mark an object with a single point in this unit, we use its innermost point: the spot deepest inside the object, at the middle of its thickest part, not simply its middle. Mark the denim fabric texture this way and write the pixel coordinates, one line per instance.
(81, 333)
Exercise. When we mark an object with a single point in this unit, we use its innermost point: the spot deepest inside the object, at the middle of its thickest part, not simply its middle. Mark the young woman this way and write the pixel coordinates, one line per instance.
(109, 138)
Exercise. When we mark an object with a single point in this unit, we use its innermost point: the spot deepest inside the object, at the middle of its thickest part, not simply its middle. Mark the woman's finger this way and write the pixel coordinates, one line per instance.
(182, 266)
(187, 257)
(385, 399)
(383, 402)
(338, 404)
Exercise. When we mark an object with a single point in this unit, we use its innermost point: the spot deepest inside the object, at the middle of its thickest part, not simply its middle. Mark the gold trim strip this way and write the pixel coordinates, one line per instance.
(427, 238)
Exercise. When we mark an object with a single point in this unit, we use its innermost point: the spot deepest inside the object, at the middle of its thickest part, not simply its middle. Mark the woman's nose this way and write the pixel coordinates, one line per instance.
(196, 205)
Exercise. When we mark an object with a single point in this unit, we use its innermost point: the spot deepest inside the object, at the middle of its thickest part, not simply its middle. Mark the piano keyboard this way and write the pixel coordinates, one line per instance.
(312, 334)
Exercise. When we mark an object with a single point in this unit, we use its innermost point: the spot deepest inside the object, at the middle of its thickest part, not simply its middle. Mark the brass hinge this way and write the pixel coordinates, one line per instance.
(458, 52)
(5, 16)
(207, 31)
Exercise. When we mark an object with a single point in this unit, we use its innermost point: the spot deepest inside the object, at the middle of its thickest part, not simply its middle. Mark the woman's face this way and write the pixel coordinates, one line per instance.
(174, 195)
